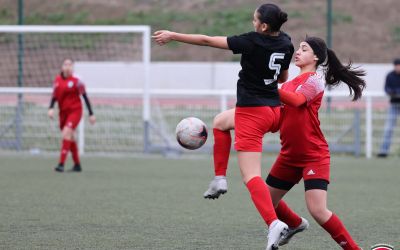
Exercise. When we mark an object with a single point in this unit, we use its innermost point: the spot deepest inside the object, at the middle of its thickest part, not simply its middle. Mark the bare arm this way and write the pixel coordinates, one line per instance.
(163, 37)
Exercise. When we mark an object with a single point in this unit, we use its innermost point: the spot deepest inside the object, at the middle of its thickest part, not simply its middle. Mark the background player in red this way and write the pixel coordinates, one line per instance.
(265, 53)
(67, 90)
(305, 152)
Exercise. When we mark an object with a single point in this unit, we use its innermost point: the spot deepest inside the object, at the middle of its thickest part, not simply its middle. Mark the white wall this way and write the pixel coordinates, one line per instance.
(191, 75)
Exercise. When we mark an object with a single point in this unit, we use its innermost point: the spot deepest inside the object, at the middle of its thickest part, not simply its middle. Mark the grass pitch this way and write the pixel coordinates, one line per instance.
(156, 203)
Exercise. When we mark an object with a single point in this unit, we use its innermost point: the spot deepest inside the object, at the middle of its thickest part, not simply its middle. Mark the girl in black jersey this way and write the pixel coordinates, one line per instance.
(266, 54)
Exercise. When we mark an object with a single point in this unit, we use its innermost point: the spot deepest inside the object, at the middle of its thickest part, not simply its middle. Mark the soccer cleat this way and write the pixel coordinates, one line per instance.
(276, 232)
(76, 168)
(217, 187)
(292, 231)
(59, 168)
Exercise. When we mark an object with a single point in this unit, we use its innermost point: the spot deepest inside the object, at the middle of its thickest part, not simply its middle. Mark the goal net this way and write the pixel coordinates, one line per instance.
(106, 58)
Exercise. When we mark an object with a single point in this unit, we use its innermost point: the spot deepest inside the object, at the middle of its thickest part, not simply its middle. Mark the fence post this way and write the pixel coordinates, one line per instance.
(223, 102)
(368, 126)
(357, 133)
(81, 137)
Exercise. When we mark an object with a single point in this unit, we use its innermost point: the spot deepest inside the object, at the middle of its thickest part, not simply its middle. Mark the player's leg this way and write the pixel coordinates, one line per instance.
(316, 186)
(67, 133)
(250, 126)
(73, 122)
(75, 155)
(280, 180)
(316, 204)
(388, 131)
(223, 123)
(250, 168)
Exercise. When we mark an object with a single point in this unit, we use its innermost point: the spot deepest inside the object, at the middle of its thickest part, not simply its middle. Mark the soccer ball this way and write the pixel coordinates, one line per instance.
(191, 133)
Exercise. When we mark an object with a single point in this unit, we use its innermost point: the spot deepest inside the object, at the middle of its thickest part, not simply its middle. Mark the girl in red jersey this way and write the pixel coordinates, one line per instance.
(305, 152)
(266, 55)
(67, 90)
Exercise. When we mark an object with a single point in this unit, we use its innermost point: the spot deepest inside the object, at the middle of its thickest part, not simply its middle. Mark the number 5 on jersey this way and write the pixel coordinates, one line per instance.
(274, 66)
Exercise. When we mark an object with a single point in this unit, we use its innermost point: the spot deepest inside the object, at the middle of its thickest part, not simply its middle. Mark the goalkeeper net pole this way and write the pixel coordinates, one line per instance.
(32, 55)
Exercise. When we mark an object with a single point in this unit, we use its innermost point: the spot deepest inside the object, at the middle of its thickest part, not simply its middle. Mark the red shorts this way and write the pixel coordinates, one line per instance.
(70, 119)
(251, 123)
(293, 173)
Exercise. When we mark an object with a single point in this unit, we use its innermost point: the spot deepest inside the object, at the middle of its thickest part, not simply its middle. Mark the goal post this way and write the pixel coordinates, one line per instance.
(32, 55)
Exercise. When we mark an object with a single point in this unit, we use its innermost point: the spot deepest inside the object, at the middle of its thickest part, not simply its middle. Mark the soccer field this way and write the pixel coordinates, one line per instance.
(156, 203)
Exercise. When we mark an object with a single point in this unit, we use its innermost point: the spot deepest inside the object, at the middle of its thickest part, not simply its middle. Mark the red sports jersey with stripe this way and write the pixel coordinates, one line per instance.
(301, 137)
(67, 92)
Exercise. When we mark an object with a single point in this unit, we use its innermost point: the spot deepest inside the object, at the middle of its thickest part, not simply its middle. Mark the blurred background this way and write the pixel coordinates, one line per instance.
(202, 80)
(139, 189)
(366, 31)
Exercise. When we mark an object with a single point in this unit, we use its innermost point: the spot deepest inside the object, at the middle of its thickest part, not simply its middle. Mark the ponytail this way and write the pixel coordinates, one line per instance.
(336, 72)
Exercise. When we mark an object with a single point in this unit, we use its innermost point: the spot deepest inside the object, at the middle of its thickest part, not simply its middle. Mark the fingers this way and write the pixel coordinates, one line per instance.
(161, 37)
(158, 32)
(161, 43)
(159, 40)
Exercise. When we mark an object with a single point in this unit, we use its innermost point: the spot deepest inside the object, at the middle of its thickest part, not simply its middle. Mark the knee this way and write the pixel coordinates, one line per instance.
(225, 121)
(219, 122)
(68, 134)
(320, 213)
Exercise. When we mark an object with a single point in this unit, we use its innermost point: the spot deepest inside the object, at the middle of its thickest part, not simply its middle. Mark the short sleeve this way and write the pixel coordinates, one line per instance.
(241, 44)
(312, 87)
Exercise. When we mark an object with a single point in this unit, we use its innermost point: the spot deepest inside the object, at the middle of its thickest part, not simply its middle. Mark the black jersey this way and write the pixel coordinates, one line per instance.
(263, 59)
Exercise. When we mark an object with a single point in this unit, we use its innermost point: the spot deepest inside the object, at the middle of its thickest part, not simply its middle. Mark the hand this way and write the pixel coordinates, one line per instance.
(92, 119)
(50, 113)
(162, 37)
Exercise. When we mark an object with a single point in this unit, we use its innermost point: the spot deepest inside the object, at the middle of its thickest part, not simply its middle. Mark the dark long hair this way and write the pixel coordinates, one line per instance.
(61, 72)
(335, 71)
(272, 15)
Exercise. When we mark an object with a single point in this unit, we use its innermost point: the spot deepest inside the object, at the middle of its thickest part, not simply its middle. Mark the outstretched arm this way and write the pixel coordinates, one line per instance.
(163, 37)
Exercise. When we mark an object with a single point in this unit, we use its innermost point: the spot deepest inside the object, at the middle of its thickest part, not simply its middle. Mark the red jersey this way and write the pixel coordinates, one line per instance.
(301, 137)
(67, 93)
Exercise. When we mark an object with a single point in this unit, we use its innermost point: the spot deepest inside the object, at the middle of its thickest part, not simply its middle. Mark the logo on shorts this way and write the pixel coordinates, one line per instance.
(382, 247)
(70, 84)
(311, 172)
(69, 124)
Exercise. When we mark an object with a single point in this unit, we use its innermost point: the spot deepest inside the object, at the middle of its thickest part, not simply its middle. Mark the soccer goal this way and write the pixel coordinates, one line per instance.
(106, 57)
